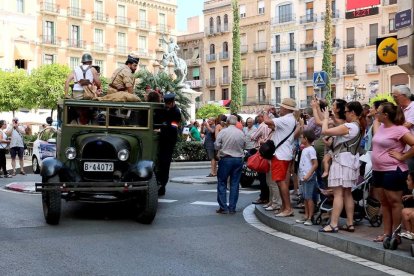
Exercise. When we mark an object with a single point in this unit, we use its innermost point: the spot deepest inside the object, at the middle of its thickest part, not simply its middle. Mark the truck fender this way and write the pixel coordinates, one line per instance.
(142, 170)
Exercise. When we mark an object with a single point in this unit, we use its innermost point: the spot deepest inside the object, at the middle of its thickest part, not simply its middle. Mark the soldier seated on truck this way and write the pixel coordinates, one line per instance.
(123, 79)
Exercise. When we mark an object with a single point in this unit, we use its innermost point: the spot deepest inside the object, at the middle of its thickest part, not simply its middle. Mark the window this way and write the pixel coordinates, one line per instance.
(278, 95)
(350, 37)
(285, 13)
(99, 6)
(213, 75)
(373, 34)
(142, 15)
(161, 42)
(277, 70)
(218, 22)
(75, 36)
(20, 63)
(74, 62)
(261, 7)
(225, 74)
(292, 41)
(100, 63)
(99, 39)
(350, 65)
(309, 11)
(122, 42)
(212, 95)
(49, 32)
(391, 23)
(48, 59)
(292, 68)
(244, 93)
(261, 36)
(277, 43)
(261, 93)
(162, 19)
(309, 67)
(196, 73)
(212, 49)
(20, 6)
(226, 23)
(142, 44)
(74, 3)
(225, 47)
(211, 25)
(121, 11)
(242, 11)
(292, 92)
(310, 92)
(225, 94)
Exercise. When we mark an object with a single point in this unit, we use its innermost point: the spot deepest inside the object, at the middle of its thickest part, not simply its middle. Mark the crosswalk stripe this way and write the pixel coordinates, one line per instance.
(240, 192)
(207, 203)
(163, 200)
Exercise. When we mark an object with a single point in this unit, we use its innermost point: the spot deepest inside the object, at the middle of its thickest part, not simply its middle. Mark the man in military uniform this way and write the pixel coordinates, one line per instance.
(171, 118)
(123, 79)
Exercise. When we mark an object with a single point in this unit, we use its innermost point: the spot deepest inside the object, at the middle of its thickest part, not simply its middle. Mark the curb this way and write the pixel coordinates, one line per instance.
(399, 259)
(190, 165)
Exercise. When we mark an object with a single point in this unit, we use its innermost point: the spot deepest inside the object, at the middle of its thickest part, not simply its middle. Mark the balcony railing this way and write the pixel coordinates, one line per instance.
(225, 81)
(245, 74)
(211, 83)
(389, 2)
(371, 41)
(162, 28)
(308, 46)
(48, 7)
(261, 46)
(193, 62)
(100, 47)
(371, 68)
(100, 17)
(309, 18)
(51, 40)
(306, 76)
(283, 75)
(143, 25)
(260, 73)
(335, 14)
(350, 70)
(195, 83)
(336, 43)
(76, 12)
(224, 56)
(211, 57)
(244, 49)
(283, 48)
(75, 43)
(122, 50)
(122, 20)
(289, 18)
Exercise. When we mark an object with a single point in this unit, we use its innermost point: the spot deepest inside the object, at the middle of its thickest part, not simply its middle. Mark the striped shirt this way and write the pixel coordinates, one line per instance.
(262, 134)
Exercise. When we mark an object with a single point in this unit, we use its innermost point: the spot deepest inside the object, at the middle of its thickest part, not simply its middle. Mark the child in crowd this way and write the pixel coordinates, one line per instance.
(307, 176)
(408, 213)
(327, 158)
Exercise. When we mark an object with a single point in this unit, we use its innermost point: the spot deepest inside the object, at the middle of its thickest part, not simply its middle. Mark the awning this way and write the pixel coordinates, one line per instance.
(22, 51)
(196, 72)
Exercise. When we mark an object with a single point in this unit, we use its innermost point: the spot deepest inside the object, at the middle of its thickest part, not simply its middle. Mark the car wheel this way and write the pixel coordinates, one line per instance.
(147, 203)
(35, 165)
(51, 201)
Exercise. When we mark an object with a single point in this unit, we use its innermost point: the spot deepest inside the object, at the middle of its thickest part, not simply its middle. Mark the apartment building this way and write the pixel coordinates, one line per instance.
(109, 30)
(17, 34)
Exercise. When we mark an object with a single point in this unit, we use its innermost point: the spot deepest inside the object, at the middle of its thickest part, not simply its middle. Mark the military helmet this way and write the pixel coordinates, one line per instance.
(86, 58)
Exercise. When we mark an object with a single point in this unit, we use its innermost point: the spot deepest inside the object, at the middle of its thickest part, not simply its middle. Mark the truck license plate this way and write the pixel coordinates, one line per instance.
(98, 167)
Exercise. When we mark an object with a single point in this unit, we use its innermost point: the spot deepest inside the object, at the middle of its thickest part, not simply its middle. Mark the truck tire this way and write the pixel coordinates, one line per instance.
(147, 203)
(52, 204)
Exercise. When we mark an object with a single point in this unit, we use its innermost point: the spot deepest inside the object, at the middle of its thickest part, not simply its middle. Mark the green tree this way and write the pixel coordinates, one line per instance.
(46, 85)
(327, 50)
(210, 110)
(12, 94)
(236, 79)
(166, 84)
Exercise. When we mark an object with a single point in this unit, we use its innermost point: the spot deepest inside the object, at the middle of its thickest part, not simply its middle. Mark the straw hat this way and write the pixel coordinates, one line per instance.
(288, 103)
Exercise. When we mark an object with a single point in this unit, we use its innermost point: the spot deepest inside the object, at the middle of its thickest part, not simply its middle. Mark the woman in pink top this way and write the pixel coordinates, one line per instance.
(389, 169)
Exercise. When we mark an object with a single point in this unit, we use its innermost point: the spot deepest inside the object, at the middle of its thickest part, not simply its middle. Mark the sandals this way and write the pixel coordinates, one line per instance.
(14, 173)
(348, 228)
(331, 229)
(212, 175)
(380, 238)
(22, 172)
(260, 201)
(221, 211)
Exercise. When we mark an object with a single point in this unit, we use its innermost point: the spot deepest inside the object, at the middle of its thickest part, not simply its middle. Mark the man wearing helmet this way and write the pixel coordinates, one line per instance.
(122, 79)
(84, 75)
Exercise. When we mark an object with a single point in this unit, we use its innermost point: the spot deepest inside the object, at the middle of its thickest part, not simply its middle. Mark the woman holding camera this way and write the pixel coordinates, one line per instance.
(4, 144)
(16, 132)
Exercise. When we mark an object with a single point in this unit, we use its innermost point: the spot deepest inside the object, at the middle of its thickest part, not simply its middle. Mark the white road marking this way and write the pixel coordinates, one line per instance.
(245, 192)
(206, 203)
(17, 192)
(250, 217)
(163, 200)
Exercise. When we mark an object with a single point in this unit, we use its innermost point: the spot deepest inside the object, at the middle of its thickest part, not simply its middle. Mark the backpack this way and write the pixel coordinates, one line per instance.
(267, 149)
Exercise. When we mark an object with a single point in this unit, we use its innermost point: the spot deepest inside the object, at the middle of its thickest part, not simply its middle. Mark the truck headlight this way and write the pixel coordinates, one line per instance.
(123, 155)
(70, 153)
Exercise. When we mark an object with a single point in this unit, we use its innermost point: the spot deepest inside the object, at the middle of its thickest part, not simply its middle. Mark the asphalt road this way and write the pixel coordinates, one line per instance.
(186, 238)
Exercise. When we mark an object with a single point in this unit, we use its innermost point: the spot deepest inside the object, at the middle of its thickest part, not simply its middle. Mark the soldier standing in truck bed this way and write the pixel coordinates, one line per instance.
(123, 79)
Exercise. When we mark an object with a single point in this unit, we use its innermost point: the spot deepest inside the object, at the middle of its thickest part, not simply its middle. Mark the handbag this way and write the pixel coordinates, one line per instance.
(258, 163)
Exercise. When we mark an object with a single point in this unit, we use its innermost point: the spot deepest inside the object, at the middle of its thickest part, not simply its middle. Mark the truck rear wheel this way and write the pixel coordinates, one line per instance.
(52, 203)
(147, 203)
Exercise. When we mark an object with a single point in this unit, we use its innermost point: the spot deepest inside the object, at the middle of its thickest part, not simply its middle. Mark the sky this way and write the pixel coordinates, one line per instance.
(186, 9)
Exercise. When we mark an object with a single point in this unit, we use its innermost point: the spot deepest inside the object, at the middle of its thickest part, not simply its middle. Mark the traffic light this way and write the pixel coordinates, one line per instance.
(387, 50)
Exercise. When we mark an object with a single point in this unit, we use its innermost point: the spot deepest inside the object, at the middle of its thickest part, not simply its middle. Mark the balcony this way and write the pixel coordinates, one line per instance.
(336, 74)
(100, 47)
(289, 18)
(389, 2)
(195, 83)
(306, 76)
(209, 31)
(371, 41)
(143, 25)
(100, 17)
(50, 8)
(211, 83)
(260, 73)
(336, 44)
(335, 15)
(313, 46)
(309, 18)
(287, 75)
(122, 20)
(284, 48)
(193, 62)
(122, 50)
(349, 70)
(76, 44)
(371, 69)
(259, 47)
(162, 28)
(244, 49)
(211, 57)
(225, 81)
(224, 56)
(76, 12)
(245, 74)
(50, 40)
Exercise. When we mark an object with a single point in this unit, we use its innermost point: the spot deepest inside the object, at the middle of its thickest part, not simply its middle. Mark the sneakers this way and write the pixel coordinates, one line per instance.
(7, 176)
(308, 222)
(302, 220)
(407, 235)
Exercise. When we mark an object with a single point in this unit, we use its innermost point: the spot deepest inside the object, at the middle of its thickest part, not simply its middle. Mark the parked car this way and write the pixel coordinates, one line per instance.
(43, 147)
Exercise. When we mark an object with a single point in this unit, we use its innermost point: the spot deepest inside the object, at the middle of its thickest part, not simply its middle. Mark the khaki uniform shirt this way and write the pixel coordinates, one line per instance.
(122, 78)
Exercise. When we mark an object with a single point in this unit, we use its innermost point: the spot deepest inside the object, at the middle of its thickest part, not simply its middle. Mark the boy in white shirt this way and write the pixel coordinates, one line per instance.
(307, 176)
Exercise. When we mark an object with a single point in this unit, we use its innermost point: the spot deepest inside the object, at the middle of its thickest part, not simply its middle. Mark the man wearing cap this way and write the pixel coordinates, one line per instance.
(171, 118)
(84, 76)
(283, 137)
(122, 79)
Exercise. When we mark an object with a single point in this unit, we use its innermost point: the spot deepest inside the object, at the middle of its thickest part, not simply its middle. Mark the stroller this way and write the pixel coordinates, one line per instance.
(247, 176)
(365, 206)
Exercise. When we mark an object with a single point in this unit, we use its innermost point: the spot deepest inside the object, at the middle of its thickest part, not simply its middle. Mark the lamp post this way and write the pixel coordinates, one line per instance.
(355, 91)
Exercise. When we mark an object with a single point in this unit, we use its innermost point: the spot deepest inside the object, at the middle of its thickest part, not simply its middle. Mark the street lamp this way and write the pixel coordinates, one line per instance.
(355, 91)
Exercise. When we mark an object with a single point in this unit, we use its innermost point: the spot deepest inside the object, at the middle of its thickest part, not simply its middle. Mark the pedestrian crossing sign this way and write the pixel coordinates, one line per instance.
(320, 79)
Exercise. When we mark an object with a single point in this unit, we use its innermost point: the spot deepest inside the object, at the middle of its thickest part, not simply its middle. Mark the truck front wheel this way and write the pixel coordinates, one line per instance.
(52, 203)
(147, 203)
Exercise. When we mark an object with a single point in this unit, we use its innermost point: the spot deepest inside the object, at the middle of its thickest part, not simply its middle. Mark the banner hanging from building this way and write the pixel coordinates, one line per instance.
(359, 4)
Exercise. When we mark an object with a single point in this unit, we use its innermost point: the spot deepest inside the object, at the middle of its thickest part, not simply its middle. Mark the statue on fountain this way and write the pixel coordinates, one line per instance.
(180, 66)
